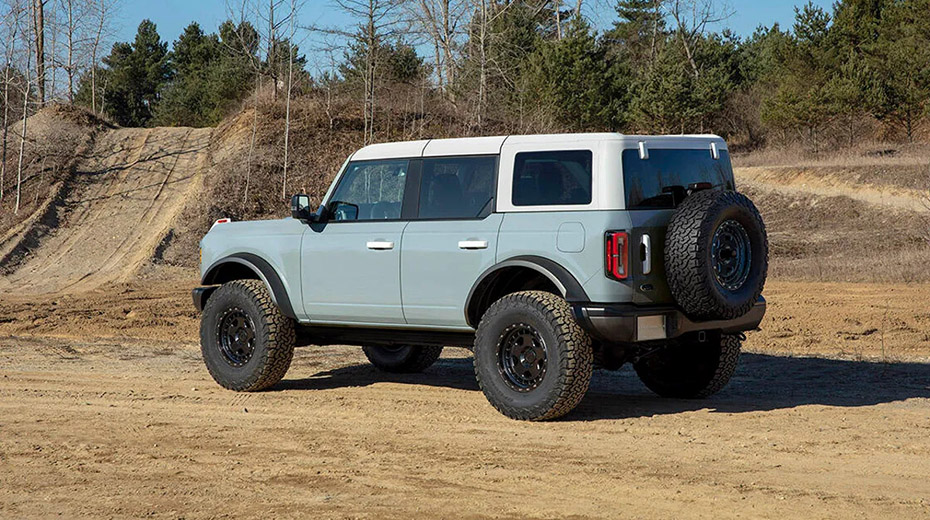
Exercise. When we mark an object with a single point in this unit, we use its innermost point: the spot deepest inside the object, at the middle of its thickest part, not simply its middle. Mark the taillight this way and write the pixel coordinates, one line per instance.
(220, 221)
(618, 254)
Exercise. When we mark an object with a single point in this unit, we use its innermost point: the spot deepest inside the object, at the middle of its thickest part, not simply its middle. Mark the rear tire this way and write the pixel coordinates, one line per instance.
(688, 369)
(402, 359)
(532, 359)
(247, 344)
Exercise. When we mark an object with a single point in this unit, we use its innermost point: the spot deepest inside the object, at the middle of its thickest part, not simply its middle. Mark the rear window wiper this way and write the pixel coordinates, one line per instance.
(679, 192)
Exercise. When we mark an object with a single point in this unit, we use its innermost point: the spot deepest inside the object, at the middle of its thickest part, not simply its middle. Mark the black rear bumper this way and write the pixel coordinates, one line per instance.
(620, 323)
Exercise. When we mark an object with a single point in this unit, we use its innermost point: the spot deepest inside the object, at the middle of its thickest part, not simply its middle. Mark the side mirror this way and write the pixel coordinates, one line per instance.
(300, 209)
(300, 206)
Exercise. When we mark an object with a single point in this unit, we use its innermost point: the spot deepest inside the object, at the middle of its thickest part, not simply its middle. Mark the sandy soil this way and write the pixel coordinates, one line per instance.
(106, 411)
(121, 204)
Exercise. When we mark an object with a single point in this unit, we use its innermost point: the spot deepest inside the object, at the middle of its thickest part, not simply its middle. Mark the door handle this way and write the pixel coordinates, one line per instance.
(646, 243)
(473, 244)
(380, 245)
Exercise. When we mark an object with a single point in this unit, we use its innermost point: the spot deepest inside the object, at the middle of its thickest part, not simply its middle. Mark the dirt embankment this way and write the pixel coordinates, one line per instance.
(123, 198)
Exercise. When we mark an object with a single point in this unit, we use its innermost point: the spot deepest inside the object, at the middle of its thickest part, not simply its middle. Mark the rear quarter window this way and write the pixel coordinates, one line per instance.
(552, 178)
(645, 179)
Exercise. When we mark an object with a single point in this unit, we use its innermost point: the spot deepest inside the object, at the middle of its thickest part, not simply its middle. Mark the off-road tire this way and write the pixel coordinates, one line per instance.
(688, 261)
(688, 369)
(569, 356)
(402, 359)
(273, 343)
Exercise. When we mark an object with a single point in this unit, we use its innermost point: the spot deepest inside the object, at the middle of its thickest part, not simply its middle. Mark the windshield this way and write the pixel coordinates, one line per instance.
(645, 179)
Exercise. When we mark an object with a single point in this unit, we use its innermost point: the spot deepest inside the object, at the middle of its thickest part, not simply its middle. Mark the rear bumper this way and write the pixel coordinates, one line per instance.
(201, 295)
(627, 323)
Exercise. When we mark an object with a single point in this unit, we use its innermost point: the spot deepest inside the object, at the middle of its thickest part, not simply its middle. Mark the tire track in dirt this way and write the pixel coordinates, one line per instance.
(794, 182)
(128, 193)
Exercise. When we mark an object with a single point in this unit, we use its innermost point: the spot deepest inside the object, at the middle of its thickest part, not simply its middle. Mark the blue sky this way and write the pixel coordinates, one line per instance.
(171, 16)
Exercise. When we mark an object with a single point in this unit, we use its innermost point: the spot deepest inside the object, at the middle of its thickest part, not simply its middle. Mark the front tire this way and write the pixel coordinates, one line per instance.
(247, 344)
(404, 359)
(532, 359)
(689, 369)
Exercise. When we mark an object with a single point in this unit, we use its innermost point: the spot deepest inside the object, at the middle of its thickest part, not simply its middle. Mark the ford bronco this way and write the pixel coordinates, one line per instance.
(547, 255)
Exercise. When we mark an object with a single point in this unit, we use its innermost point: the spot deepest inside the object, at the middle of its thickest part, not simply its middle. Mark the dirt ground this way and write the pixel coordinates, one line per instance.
(106, 410)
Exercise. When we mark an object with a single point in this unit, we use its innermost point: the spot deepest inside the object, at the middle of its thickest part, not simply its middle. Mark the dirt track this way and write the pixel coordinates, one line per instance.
(121, 203)
(106, 411)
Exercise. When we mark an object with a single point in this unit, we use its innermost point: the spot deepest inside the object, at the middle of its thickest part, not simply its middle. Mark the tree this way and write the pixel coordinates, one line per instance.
(899, 88)
(637, 31)
(376, 23)
(12, 29)
(801, 100)
(38, 18)
(185, 100)
(135, 75)
(571, 79)
(102, 12)
(440, 21)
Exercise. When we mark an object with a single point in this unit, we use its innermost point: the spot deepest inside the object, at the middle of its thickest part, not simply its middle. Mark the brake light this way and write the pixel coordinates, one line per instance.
(618, 254)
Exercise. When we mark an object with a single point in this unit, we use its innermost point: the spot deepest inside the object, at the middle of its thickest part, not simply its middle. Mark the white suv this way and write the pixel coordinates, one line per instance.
(547, 254)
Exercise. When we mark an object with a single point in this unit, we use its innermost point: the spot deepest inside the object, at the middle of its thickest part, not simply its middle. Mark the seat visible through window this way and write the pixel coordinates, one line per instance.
(457, 187)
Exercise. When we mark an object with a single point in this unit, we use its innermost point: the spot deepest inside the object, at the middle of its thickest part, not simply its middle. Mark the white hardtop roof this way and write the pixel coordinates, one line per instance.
(493, 145)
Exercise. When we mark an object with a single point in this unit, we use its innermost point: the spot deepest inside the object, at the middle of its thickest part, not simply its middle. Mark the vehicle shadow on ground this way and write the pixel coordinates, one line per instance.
(762, 383)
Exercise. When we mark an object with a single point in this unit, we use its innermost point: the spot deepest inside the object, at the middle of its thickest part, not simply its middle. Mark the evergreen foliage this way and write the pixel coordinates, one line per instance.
(521, 66)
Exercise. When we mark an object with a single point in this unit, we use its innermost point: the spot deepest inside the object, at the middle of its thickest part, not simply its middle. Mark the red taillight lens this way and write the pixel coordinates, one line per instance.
(618, 256)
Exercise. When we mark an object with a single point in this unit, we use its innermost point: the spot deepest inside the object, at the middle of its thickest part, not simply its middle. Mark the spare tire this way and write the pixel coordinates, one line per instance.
(716, 255)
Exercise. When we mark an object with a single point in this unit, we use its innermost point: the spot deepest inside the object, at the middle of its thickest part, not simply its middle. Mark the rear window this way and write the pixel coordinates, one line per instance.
(552, 178)
(645, 179)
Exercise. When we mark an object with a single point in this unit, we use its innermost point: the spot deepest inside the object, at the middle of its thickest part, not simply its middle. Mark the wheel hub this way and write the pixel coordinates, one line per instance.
(236, 336)
(522, 357)
(731, 255)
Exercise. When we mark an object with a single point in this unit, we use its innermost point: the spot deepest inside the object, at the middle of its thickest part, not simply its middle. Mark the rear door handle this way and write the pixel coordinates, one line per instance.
(646, 242)
(473, 244)
(380, 245)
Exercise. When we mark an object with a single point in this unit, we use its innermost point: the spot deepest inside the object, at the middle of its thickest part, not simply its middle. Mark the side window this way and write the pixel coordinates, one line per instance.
(370, 190)
(552, 178)
(457, 187)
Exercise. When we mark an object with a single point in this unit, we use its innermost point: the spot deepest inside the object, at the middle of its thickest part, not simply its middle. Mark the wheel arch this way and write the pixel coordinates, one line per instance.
(245, 266)
(516, 274)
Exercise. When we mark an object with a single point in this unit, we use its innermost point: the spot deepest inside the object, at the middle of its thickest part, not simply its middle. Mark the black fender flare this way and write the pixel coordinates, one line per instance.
(560, 277)
(263, 270)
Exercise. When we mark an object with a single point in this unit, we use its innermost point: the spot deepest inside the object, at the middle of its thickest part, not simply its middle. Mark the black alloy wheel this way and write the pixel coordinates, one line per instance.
(236, 336)
(522, 357)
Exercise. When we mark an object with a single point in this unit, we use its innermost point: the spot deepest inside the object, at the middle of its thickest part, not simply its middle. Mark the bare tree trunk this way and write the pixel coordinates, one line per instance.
(248, 164)
(558, 19)
(95, 48)
(656, 16)
(287, 109)
(39, 19)
(6, 99)
(272, 59)
(53, 57)
(448, 40)
(70, 67)
(371, 59)
(22, 141)
(483, 61)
